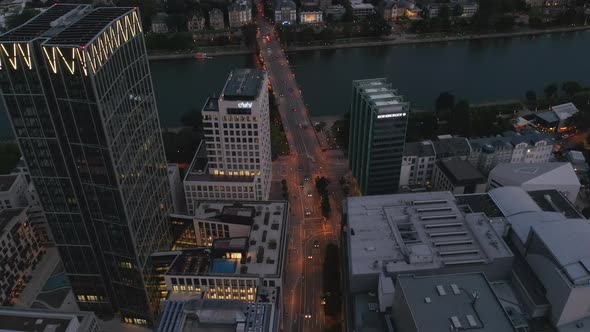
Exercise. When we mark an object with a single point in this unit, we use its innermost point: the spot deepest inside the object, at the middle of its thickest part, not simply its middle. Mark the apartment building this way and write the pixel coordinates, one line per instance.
(19, 251)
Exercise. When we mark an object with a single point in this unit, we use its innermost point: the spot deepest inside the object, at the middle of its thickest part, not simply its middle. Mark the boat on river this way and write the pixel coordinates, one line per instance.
(203, 56)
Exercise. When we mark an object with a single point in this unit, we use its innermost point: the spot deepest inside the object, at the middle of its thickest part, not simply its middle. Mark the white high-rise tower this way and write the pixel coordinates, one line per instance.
(234, 160)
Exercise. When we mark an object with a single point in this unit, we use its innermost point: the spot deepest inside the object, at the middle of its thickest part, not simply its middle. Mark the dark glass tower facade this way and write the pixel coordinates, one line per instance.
(76, 85)
(378, 122)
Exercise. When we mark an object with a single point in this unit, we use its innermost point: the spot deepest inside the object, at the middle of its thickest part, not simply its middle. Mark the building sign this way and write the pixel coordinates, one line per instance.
(245, 104)
(393, 115)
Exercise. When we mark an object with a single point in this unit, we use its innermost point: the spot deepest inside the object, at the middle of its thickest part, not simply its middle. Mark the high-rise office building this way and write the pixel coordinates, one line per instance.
(378, 121)
(78, 91)
(234, 160)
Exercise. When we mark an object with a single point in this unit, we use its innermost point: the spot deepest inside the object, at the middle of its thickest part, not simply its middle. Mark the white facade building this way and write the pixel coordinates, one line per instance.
(240, 14)
(245, 258)
(19, 248)
(13, 191)
(419, 158)
(234, 160)
(530, 177)
(285, 12)
(307, 16)
(362, 9)
(419, 233)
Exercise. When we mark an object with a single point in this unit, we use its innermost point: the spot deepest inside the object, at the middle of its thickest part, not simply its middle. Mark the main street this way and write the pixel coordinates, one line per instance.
(309, 233)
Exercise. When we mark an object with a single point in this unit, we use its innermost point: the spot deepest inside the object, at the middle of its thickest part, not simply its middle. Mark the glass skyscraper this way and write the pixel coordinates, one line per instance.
(378, 122)
(76, 84)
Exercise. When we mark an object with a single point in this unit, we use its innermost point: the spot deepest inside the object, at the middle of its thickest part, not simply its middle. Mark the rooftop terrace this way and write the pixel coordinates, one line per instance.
(264, 247)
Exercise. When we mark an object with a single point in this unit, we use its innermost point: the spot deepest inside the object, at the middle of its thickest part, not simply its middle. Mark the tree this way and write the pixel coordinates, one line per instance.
(457, 10)
(445, 101)
(531, 98)
(460, 119)
(444, 12)
(192, 118)
(551, 90)
(249, 33)
(571, 88)
(321, 184)
(20, 19)
(580, 120)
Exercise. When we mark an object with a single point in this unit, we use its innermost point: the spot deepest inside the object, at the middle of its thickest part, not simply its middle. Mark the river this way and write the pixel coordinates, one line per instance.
(479, 70)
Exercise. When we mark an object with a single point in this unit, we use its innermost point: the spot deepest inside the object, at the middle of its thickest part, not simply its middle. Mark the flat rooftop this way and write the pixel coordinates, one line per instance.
(34, 320)
(85, 29)
(216, 316)
(265, 246)
(464, 301)
(417, 231)
(378, 91)
(552, 200)
(460, 172)
(451, 147)
(243, 84)
(41, 23)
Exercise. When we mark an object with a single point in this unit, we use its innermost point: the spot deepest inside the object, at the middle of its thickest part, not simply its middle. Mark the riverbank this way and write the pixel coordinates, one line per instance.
(401, 40)
(417, 39)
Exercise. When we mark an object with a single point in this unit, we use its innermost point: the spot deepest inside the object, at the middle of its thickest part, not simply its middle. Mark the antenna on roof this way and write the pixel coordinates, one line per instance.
(475, 296)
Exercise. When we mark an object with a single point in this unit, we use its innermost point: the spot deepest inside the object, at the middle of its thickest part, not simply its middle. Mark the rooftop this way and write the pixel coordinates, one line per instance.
(548, 116)
(479, 203)
(419, 149)
(84, 30)
(451, 147)
(464, 301)
(378, 92)
(6, 181)
(42, 320)
(552, 200)
(417, 231)
(516, 174)
(509, 139)
(568, 243)
(41, 23)
(264, 248)
(243, 84)
(564, 111)
(199, 170)
(460, 172)
(217, 316)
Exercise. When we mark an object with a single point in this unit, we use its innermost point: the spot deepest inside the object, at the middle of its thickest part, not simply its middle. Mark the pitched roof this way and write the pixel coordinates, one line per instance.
(516, 174)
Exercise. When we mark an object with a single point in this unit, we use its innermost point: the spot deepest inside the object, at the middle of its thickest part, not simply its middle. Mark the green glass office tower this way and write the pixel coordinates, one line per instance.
(76, 85)
(378, 121)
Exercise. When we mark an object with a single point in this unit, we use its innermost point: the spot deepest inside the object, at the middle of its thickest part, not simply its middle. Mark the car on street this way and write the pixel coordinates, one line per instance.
(307, 211)
(308, 315)
(309, 257)
(306, 178)
(294, 110)
(300, 168)
(316, 244)
(301, 185)
(309, 194)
